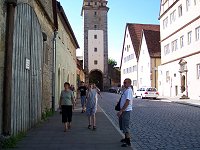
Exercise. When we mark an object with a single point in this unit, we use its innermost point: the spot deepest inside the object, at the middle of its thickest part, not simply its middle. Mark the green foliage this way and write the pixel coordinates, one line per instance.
(112, 62)
(12, 141)
(47, 113)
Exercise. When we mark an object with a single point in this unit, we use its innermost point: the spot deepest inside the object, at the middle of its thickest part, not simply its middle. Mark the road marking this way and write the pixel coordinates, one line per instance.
(116, 127)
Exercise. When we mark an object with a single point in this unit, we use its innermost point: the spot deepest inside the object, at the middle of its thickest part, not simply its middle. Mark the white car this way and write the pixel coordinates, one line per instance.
(147, 92)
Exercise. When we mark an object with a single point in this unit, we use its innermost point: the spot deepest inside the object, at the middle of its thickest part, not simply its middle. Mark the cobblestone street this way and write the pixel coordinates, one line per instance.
(159, 125)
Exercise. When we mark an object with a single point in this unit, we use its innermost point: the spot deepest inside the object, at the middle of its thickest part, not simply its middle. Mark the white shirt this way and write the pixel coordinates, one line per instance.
(127, 95)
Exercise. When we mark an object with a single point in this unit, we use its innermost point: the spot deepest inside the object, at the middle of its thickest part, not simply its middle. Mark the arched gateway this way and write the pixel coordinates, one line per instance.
(96, 77)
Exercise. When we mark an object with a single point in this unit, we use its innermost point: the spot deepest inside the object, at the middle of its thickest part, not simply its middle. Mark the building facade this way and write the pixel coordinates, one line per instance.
(27, 89)
(66, 45)
(179, 73)
(94, 13)
(149, 59)
(131, 51)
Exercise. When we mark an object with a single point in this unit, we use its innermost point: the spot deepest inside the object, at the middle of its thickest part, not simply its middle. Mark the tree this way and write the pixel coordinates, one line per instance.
(112, 62)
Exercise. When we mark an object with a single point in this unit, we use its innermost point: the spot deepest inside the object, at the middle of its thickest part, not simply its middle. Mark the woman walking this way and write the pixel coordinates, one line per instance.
(91, 105)
(66, 104)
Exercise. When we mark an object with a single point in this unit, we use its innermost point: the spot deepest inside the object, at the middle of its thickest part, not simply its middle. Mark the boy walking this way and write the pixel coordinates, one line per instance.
(83, 90)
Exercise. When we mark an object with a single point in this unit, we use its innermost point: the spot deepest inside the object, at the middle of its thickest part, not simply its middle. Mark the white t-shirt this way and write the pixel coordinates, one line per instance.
(127, 95)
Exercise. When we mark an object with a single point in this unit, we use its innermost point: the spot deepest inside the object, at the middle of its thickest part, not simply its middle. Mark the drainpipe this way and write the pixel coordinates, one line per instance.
(54, 70)
(8, 68)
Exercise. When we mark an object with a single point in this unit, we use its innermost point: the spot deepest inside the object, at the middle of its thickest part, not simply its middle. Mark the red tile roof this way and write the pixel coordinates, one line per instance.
(135, 31)
(153, 42)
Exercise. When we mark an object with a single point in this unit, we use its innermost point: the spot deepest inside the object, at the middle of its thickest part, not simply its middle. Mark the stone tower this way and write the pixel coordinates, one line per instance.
(94, 13)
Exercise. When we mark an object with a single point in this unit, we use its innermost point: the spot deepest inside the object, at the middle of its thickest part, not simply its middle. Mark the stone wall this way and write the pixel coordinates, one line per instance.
(2, 54)
(48, 28)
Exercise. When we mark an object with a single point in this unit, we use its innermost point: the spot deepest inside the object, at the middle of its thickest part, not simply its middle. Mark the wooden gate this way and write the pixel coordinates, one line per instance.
(26, 90)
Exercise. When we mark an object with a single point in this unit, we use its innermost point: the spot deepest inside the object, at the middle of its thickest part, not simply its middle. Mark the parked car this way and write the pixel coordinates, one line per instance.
(112, 90)
(147, 92)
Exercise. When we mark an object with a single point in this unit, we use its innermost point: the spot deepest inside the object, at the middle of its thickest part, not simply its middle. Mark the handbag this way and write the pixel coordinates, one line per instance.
(117, 107)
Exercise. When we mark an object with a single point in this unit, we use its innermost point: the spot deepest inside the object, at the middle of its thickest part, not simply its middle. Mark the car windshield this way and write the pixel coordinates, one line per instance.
(151, 89)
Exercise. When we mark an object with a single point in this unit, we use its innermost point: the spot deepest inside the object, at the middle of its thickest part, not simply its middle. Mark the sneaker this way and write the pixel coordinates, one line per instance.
(89, 126)
(126, 145)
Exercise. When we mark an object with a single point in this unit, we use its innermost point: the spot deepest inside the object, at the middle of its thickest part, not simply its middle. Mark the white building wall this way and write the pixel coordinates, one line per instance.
(144, 65)
(129, 62)
(187, 16)
(189, 21)
(92, 55)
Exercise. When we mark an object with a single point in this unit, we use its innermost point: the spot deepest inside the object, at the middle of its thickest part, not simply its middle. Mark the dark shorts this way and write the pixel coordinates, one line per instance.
(66, 113)
(124, 121)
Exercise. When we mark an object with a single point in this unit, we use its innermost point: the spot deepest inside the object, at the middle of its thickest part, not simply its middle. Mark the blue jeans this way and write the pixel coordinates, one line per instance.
(83, 98)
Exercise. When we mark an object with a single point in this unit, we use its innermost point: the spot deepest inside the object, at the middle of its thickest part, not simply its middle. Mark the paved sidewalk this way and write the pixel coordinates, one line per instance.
(190, 102)
(50, 136)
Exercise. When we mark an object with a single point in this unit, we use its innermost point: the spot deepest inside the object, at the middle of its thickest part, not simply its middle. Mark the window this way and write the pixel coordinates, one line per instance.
(166, 49)
(95, 36)
(173, 16)
(198, 71)
(124, 71)
(132, 56)
(130, 69)
(174, 45)
(124, 59)
(95, 26)
(180, 11)
(127, 48)
(95, 62)
(181, 41)
(189, 37)
(167, 76)
(134, 82)
(95, 49)
(165, 23)
(95, 3)
(134, 68)
(141, 68)
(197, 33)
(95, 13)
(46, 51)
(187, 4)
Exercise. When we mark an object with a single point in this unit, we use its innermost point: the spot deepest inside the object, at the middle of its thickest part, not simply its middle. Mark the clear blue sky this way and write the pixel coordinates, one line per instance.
(120, 13)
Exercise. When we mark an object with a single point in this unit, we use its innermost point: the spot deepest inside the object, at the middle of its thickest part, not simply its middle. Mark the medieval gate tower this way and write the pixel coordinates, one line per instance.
(94, 14)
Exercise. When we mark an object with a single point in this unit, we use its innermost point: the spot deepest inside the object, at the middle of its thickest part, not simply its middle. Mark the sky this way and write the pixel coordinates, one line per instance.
(120, 13)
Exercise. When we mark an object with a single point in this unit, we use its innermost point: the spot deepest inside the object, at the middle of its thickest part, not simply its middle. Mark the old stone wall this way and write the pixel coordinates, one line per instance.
(2, 54)
(48, 28)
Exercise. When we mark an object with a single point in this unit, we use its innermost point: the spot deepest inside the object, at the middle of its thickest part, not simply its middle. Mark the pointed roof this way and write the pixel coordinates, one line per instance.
(135, 31)
(153, 42)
